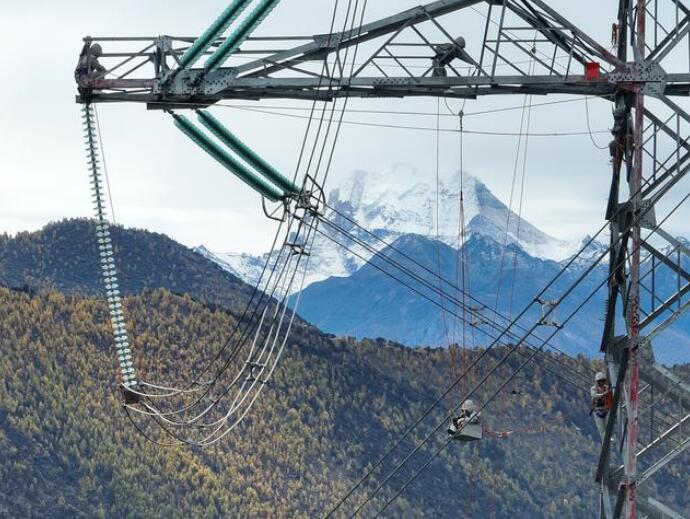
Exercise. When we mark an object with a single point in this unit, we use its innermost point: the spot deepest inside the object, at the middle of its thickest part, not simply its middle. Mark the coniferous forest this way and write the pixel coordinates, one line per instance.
(332, 409)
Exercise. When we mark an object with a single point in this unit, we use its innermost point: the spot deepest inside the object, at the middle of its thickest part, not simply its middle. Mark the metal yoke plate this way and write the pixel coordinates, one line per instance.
(649, 74)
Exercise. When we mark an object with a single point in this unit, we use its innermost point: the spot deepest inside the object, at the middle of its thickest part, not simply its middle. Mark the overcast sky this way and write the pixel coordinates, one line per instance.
(162, 182)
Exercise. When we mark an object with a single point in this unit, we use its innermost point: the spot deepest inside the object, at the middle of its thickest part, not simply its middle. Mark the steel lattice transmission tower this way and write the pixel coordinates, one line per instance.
(418, 53)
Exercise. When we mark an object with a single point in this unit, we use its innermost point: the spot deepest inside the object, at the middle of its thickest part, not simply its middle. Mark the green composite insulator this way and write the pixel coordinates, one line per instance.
(203, 42)
(231, 141)
(258, 184)
(237, 38)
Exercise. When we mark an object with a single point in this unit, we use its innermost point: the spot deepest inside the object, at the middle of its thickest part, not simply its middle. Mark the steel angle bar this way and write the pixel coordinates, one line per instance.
(664, 461)
(601, 51)
(678, 269)
(364, 33)
(670, 41)
(667, 304)
(657, 510)
(675, 107)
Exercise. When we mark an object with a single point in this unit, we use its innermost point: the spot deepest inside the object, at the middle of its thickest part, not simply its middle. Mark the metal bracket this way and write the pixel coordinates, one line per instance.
(253, 366)
(298, 249)
(650, 74)
(548, 313)
(479, 319)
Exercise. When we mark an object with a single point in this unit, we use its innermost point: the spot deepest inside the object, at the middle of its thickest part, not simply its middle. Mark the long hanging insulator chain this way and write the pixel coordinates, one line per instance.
(105, 250)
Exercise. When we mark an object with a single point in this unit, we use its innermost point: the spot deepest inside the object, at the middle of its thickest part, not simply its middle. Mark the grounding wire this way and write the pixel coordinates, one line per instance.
(589, 127)
(105, 164)
(510, 202)
(528, 100)
(489, 335)
(381, 112)
(410, 258)
(432, 129)
(575, 373)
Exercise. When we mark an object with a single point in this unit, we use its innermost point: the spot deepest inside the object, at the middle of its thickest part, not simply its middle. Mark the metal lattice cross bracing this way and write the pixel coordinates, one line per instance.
(527, 47)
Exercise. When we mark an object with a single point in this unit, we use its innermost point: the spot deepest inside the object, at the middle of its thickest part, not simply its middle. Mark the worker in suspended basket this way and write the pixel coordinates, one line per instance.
(88, 66)
(602, 401)
(468, 415)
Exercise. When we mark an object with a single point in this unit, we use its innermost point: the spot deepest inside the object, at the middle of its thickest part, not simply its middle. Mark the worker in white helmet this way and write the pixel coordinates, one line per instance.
(602, 401)
(468, 414)
(445, 54)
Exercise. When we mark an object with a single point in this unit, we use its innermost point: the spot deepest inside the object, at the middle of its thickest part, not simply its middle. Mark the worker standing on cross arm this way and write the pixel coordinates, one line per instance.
(602, 401)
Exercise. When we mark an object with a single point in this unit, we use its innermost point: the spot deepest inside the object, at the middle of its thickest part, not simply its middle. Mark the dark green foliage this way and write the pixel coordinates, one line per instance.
(66, 449)
(64, 257)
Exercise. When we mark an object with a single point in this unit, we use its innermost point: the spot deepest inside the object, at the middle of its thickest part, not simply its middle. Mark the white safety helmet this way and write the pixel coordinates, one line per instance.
(467, 405)
(96, 50)
(599, 376)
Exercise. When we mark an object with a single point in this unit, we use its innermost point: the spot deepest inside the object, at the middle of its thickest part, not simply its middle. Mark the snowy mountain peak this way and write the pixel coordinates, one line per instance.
(405, 202)
(401, 203)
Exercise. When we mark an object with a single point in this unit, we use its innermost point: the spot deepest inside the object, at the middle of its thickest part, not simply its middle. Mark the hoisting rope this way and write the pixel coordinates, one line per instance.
(465, 290)
(105, 250)
(444, 320)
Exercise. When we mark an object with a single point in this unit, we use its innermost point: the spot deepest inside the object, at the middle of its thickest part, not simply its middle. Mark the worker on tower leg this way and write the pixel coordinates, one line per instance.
(602, 401)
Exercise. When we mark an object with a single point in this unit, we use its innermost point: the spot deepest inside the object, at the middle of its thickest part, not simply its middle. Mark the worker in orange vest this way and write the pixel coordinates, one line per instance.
(602, 401)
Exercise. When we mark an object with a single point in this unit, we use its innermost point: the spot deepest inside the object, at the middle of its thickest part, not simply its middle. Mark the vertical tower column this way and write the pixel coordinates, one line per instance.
(633, 306)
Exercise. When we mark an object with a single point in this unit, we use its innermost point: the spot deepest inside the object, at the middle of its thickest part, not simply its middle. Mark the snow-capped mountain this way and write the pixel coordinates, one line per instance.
(245, 266)
(388, 206)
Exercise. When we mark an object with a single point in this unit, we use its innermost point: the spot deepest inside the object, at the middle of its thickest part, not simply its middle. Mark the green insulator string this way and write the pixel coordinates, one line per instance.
(106, 253)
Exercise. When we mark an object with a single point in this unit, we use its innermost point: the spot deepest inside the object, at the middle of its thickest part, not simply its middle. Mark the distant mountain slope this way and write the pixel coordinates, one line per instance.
(63, 257)
(66, 449)
(370, 303)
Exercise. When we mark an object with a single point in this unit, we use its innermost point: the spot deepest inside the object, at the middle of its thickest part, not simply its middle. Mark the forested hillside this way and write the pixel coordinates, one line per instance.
(334, 406)
(63, 257)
